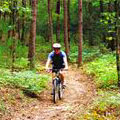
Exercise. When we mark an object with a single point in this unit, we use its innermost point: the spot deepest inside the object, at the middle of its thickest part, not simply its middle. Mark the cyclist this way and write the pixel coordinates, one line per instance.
(59, 61)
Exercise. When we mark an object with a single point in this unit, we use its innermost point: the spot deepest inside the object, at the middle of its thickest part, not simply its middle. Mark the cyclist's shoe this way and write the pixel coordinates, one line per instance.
(63, 86)
(51, 93)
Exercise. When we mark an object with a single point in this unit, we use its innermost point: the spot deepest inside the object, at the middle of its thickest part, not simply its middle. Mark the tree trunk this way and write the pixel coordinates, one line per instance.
(30, 2)
(101, 6)
(90, 31)
(66, 29)
(111, 43)
(18, 27)
(110, 6)
(4, 16)
(102, 17)
(117, 42)
(23, 23)
(0, 14)
(58, 21)
(80, 33)
(10, 19)
(69, 23)
(13, 35)
(31, 54)
(50, 24)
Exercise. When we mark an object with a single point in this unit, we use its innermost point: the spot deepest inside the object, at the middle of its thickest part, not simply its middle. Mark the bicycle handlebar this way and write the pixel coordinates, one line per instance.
(62, 69)
(57, 70)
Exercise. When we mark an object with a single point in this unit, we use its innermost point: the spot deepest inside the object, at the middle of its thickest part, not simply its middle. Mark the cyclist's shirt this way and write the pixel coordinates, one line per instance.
(57, 59)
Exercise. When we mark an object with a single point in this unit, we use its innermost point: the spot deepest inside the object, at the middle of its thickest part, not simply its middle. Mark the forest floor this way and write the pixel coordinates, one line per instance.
(79, 93)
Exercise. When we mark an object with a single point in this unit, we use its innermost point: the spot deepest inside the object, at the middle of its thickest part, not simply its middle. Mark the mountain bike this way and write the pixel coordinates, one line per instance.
(57, 90)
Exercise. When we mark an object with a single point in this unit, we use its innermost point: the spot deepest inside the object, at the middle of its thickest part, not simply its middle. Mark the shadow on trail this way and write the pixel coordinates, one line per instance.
(30, 94)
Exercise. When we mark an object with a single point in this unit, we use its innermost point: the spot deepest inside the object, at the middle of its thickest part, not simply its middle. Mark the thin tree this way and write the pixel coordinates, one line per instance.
(10, 19)
(111, 43)
(0, 14)
(50, 24)
(101, 6)
(80, 33)
(23, 23)
(117, 42)
(90, 22)
(14, 44)
(68, 22)
(58, 21)
(30, 2)
(102, 17)
(18, 27)
(66, 29)
(31, 54)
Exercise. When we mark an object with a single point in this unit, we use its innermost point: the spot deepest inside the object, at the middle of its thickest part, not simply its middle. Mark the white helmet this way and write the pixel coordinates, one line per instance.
(56, 45)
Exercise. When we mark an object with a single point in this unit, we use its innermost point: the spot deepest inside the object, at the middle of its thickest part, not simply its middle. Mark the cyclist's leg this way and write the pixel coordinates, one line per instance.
(53, 76)
(63, 79)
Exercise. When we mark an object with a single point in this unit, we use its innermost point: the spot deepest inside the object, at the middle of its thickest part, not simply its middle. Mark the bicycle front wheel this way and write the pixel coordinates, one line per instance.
(60, 91)
(55, 96)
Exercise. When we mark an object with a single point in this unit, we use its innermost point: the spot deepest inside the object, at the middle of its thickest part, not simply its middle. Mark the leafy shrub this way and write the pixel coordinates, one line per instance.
(104, 70)
(27, 80)
(21, 51)
(4, 54)
(73, 53)
(4, 27)
(21, 63)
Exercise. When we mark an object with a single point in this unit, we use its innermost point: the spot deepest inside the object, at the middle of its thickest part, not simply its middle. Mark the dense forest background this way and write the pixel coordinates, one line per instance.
(88, 31)
(98, 22)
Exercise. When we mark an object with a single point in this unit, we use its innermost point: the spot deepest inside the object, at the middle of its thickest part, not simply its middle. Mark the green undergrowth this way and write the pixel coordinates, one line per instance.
(103, 70)
(105, 107)
(42, 50)
(25, 80)
(6, 55)
(88, 53)
(21, 53)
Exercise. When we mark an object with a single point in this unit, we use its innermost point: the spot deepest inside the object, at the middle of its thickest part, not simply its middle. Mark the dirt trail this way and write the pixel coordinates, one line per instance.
(78, 94)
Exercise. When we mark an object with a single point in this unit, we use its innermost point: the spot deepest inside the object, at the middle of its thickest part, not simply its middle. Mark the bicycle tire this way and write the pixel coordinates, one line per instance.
(54, 92)
(57, 90)
(54, 99)
(60, 91)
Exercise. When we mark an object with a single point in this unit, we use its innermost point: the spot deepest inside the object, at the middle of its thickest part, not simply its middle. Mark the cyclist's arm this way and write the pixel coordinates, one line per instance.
(66, 63)
(48, 63)
(49, 60)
